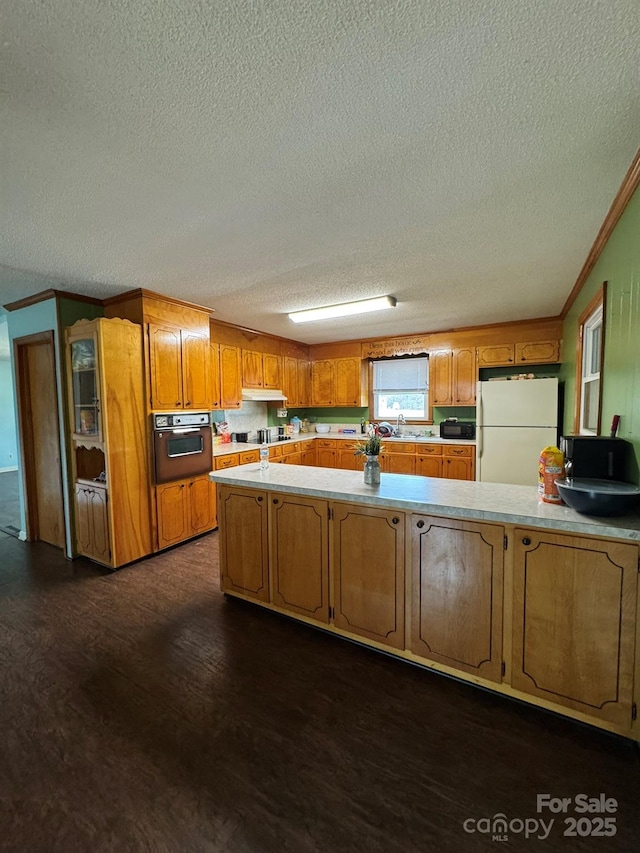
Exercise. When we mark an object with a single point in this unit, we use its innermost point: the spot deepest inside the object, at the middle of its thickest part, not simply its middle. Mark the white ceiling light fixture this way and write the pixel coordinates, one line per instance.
(344, 310)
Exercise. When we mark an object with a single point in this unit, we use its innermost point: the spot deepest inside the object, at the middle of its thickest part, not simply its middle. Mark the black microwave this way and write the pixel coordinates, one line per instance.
(457, 429)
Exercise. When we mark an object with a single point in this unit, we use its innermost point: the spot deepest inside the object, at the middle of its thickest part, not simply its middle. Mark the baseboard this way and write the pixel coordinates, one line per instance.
(6, 470)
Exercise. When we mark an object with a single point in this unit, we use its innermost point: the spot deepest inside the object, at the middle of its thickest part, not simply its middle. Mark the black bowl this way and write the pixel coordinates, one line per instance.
(598, 497)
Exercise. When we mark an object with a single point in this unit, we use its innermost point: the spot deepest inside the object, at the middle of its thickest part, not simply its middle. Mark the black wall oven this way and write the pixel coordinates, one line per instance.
(181, 445)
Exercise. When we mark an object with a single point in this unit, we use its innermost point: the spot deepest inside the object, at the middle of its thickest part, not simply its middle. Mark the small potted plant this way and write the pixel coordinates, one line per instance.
(371, 449)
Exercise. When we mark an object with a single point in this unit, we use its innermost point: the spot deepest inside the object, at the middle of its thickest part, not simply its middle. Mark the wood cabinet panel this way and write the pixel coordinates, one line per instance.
(347, 459)
(457, 579)
(309, 454)
(304, 383)
(496, 355)
(271, 370)
(458, 450)
(574, 622)
(368, 566)
(290, 381)
(92, 524)
(300, 555)
(322, 382)
(440, 377)
(201, 505)
(172, 501)
(165, 360)
(251, 369)
(247, 456)
(458, 468)
(244, 554)
(326, 457)
(214, 376)
(398, 463)
(195, 370)
(228, 461)
(347, 382)
(465, 376)
(538, 352)
(429, 466)
(230, 377)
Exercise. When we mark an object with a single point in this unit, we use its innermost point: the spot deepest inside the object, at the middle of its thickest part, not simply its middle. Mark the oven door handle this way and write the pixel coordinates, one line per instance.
(184, 430)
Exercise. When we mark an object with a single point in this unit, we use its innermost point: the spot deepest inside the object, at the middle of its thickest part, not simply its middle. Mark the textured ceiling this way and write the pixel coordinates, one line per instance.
(263, 157)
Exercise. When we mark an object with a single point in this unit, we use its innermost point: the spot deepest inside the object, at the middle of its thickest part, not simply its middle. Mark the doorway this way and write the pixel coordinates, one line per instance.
(37, 401)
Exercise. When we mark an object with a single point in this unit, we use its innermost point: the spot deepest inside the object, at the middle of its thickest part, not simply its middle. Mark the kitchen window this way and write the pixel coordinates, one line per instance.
(589, 366)
(401, 386)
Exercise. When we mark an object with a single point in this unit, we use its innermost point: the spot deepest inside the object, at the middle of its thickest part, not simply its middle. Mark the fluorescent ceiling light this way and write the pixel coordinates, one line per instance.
(343, 310)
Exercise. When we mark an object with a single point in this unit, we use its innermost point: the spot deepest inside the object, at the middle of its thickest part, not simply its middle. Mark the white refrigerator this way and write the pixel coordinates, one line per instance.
(516, 419)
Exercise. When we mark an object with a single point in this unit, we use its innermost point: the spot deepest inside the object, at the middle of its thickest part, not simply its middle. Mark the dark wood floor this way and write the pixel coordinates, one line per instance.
(142, 711)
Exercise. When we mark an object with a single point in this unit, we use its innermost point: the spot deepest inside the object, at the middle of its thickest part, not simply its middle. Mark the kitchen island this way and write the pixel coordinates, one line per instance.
(475, 580)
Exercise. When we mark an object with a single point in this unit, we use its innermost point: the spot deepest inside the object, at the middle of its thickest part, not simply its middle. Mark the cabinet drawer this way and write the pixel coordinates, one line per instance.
(229, 461)
(290, 447)
(429, 450)
(459, 450)
(326, 442)
(249, 456)
(275, 452)
(400, 447)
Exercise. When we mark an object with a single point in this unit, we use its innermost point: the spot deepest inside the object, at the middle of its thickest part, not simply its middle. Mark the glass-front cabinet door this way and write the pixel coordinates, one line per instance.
(85, 389)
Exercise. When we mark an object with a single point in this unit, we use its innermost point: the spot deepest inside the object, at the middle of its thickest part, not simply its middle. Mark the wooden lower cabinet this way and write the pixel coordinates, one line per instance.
(457, 582)
(398, 463)
(429, 466)
(368, 572)
(92, 525)
(244, 548)
(299, 555)
(185, 509)
(574, 614)
(309, 456)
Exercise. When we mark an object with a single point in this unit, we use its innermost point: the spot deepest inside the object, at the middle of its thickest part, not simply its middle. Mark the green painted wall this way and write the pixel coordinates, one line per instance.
(321, 416)
(619, 265)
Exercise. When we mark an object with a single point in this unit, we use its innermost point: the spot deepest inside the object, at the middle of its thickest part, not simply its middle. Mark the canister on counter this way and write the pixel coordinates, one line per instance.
(550, 469)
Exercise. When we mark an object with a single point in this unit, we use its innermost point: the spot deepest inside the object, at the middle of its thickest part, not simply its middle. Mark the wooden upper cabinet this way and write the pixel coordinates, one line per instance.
(574, 603)
(496, 355)
(252, 369)
(295, 381)
(271, 370)
(300, 555)
(440, 377)
(195, 370)
(323, 382)
(525, 352)
(538, 352)
(290, 381)
(230, 377)
(165, 357)
(368, 565)
(214, 376)
(261, 369)
(457, 579)
(179, 367)
(347, 379)
(465, 376)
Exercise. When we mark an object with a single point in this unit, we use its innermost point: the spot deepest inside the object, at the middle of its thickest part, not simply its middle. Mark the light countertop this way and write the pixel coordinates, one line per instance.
(495, 502)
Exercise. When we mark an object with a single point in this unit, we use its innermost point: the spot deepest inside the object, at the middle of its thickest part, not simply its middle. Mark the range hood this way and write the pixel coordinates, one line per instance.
(262, 395)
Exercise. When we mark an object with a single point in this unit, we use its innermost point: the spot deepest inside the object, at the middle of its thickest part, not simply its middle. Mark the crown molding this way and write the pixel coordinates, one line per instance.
(627, 188)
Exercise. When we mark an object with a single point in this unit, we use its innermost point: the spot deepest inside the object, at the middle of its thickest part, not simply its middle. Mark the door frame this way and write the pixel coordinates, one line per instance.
(25, 431)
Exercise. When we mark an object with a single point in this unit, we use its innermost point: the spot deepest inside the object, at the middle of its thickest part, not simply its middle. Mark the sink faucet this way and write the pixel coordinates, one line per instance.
(399, 420)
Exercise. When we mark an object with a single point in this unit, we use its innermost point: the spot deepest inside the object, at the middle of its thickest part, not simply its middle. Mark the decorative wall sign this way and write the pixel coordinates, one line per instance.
(414, 345)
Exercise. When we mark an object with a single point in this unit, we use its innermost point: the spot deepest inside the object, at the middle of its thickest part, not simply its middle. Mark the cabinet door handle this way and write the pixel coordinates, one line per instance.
(182, 485)
(420, 524)
(395, 520)
(188, 403)
(275, 500)
(526, 541)
(259, 500)
(177, 402)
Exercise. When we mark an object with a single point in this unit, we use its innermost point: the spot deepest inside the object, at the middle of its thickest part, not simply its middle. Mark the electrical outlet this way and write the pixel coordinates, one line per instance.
(281, 413)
